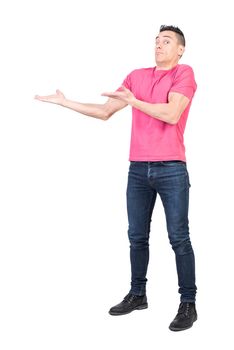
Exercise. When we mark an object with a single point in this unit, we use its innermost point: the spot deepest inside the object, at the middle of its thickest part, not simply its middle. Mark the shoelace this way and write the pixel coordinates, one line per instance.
(130, 298)
(184, 309)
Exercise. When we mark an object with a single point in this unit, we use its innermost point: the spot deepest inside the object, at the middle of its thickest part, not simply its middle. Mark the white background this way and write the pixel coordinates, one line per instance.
(64, 248)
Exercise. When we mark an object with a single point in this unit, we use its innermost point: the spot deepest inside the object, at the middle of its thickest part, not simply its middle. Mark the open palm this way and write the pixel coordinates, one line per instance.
(57, 98)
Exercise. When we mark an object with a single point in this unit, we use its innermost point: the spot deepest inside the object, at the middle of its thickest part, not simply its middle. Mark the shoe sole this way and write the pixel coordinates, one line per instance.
(140, 307)
(181, 329)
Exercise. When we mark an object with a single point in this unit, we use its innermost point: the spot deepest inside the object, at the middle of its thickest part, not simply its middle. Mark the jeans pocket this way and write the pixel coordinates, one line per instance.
(188, 176)
(174, 163)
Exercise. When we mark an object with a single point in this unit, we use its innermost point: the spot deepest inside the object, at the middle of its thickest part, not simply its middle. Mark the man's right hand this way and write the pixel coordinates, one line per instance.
(57, 98)
(100, 111)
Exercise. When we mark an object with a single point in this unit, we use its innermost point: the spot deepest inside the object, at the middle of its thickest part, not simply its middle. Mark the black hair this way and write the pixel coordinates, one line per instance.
(180, 34)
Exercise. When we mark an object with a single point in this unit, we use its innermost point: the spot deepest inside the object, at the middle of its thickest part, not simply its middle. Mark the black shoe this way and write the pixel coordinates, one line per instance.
(185, 317)
(130, 303)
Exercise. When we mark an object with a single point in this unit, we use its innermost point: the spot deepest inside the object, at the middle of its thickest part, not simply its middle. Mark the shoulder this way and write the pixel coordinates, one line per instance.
(184, 69)
(184, 80)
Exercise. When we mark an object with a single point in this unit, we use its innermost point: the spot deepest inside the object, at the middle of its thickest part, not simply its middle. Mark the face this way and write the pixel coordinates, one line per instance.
(167, 49)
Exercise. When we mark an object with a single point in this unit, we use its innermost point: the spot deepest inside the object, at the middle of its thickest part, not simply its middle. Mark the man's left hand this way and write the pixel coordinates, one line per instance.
(124, 95)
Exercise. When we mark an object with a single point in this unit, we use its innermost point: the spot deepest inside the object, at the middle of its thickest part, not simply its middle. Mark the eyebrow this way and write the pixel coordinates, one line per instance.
(164, 36)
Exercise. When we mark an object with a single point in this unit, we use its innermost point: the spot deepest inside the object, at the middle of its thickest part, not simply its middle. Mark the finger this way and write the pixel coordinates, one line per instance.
(44, 98)
(37, 97)
(58, 92)
(109, 94)
(112, 94)
(49, 96)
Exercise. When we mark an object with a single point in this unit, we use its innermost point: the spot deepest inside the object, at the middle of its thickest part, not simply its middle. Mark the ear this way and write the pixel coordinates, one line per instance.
(181, 50)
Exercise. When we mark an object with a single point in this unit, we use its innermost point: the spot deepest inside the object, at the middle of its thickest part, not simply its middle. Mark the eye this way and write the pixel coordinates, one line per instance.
(166, 42)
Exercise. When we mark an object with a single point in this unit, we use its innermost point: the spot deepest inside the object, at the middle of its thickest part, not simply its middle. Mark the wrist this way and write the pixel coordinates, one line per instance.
(134, 102)
(64, 102)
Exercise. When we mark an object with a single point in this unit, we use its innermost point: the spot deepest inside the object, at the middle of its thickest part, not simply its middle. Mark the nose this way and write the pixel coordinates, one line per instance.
(158, 45)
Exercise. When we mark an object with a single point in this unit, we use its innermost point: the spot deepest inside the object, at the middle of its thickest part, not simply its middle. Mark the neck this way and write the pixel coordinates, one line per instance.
(165, 67)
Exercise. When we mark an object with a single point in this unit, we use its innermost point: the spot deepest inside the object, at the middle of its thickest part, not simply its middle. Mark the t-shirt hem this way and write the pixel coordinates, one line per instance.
(156, 159)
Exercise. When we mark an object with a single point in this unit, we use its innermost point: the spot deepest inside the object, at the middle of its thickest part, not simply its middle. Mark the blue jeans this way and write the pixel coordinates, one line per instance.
(170, 180)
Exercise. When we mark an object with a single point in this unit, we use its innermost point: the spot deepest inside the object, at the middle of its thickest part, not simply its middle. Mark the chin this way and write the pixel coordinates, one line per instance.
(158, 62)
(159, 58)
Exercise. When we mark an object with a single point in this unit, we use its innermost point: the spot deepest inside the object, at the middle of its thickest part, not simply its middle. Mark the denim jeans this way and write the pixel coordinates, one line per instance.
(170, 180)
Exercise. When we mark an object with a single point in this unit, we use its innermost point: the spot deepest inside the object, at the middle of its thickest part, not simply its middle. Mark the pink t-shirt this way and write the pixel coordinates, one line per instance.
(152, 139)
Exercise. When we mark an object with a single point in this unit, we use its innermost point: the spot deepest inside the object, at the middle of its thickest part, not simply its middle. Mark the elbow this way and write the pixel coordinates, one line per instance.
(105, 116)
(106, 113)
(102, 115)
(173, 119)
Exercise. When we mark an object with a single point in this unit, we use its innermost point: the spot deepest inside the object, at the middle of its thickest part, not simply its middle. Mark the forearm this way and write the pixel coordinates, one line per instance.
(90, 109)
(161, 111)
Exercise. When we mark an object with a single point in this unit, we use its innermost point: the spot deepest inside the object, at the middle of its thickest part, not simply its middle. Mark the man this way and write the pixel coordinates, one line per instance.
(160, 97)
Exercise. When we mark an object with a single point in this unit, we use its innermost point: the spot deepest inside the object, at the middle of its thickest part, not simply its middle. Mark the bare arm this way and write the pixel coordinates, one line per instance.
(169, 112)
(100, 111)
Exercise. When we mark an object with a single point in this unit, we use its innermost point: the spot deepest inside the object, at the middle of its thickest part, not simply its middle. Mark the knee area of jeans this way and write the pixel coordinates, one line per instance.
(183, 247)
(139, 244)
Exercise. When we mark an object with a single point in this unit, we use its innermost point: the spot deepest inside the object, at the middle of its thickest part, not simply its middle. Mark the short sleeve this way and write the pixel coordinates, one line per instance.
(126, 82)
(184, 82)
